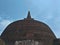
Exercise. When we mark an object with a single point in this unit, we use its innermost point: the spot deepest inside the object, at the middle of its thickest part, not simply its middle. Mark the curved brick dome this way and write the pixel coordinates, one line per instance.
(27, 28)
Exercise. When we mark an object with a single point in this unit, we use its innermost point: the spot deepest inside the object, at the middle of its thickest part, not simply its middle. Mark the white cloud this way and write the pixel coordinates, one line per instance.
(0, 18)
(57, 19)
(57, 25)
(3, 24)
(48, 17)
(57, 22)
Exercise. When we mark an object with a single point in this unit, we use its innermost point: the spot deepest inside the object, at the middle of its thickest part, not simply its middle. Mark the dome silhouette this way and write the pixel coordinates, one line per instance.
(28, 29)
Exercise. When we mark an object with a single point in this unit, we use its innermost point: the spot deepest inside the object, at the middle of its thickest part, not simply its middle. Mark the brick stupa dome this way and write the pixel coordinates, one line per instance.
(27, 28)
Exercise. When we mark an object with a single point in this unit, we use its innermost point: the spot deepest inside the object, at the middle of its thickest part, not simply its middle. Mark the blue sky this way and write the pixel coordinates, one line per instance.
(47, 11)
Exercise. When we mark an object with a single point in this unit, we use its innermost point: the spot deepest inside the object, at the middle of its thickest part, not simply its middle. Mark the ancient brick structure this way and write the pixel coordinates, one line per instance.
(28, 32)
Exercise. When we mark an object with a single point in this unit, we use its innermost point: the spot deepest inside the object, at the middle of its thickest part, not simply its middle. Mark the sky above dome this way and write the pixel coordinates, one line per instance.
(47, 11)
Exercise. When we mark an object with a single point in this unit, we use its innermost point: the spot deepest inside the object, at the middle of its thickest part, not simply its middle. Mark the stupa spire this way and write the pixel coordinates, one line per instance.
(29, 16)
